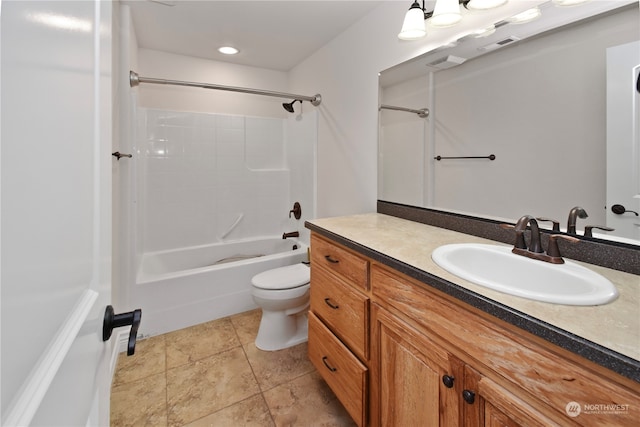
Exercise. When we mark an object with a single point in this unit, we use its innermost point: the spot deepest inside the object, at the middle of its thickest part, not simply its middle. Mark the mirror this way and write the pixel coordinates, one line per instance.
(533, 95)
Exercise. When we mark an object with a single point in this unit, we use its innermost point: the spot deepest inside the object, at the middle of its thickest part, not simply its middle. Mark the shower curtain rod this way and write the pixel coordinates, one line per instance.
(424, 112)
(135, 80)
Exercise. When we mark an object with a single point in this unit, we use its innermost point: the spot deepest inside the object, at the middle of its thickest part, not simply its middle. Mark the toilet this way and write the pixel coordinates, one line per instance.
(283, 295)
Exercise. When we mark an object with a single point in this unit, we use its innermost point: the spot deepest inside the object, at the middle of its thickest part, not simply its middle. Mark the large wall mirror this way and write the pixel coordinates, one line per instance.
(535, 118)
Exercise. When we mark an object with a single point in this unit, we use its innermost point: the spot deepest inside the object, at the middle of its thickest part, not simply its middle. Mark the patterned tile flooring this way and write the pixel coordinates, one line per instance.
(213, 375)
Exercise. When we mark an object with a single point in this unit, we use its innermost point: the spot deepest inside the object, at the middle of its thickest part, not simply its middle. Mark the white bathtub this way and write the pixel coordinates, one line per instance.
(187, 286)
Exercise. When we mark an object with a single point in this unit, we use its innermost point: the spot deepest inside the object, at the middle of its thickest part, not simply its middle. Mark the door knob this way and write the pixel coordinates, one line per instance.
(619, 210)
(112, 321)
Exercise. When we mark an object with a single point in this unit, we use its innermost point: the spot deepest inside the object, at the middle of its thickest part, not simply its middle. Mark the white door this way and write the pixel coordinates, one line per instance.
(623, 139)
(55, 211)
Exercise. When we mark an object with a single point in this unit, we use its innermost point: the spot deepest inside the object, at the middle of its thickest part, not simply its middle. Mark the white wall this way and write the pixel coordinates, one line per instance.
(156, 64)
(345, 72)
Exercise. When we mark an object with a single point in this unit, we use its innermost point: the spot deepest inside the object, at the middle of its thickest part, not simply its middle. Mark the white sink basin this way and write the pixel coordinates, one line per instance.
(495, 267)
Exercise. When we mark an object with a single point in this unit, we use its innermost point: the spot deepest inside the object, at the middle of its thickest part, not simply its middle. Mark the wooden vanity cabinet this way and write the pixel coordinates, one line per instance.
(414, 381)
(339, 323)
(397, 352)
(508, 378)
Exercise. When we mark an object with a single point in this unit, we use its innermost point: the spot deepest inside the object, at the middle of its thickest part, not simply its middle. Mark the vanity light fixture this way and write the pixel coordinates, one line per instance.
(445, 13)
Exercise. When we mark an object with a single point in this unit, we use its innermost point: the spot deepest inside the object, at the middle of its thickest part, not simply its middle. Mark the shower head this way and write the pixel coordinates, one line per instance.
(289, 106)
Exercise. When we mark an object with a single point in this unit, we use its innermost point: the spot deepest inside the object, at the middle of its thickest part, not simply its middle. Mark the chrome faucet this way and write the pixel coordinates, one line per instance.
(574, 214)
(535, 247)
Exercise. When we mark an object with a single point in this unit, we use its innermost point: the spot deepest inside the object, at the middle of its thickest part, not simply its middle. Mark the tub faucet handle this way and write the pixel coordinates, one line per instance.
(296, 211)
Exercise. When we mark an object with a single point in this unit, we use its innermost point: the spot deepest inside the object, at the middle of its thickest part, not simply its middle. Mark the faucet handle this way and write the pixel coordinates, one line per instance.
(553, 251)
(520, 243)
(296, 211)
(556, 224)
(588, 230)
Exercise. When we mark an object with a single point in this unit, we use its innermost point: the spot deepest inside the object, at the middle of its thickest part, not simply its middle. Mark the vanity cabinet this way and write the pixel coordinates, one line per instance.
(415, 382)
(339, 323)
(508, 377)
(398, 352)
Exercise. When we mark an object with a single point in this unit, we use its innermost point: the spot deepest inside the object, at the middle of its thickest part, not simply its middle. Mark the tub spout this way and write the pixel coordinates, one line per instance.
(291, 234)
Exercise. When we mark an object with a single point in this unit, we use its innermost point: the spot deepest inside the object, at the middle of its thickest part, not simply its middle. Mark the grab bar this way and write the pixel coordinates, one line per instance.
(490, 157)
(230, 229)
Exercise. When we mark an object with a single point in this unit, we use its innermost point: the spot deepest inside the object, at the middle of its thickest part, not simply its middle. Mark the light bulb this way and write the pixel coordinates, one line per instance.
(413, 27)
(446, 13)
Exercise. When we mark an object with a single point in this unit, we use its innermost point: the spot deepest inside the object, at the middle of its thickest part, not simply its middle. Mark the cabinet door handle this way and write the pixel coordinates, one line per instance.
(331, 260)
(329, 367)
(328, 302)
(447, 380)
(469, 396)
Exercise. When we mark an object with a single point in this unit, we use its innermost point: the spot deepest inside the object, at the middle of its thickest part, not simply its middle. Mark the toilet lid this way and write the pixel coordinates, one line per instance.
(287, 277)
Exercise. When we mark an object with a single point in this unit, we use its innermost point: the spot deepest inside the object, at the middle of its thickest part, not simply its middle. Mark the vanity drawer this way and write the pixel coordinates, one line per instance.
(353, 269)
(342, 371)
(343, 309)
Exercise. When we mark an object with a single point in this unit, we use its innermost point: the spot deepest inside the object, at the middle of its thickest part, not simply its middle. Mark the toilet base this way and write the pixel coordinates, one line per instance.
(279, 330)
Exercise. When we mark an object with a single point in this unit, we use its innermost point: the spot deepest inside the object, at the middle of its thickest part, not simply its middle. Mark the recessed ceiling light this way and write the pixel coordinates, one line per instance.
(228, 50)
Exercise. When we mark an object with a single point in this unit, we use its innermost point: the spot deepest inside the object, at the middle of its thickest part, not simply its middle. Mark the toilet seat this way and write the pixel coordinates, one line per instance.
(289, 277)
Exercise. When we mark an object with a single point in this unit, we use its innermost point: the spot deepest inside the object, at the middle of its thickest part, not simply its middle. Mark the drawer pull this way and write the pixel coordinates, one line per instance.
(328, 302)
(329, 367)
(331, 260)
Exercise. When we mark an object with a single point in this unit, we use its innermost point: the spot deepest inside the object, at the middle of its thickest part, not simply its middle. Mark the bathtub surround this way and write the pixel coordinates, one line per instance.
(200, 173)
(207, 179)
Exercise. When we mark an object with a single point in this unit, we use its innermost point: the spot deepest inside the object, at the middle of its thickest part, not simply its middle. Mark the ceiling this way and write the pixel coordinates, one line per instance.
(275, 35)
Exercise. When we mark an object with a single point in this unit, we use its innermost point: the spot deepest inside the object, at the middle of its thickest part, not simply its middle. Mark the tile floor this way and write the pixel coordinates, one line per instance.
(213, 375)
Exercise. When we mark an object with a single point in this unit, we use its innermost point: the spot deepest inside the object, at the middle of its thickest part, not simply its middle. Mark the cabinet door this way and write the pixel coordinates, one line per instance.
(488, 404)
(410, 390)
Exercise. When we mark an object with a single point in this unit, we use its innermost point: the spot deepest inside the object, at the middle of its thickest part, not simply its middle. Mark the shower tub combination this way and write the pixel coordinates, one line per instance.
(184, 287)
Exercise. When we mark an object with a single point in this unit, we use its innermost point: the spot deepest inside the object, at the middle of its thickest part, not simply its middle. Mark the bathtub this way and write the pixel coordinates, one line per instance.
(183, 287)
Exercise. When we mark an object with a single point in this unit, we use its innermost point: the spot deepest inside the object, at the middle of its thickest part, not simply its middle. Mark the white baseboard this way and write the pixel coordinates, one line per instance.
(121, 340)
